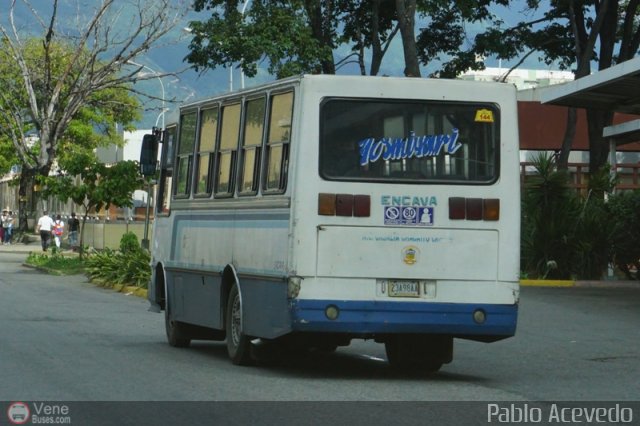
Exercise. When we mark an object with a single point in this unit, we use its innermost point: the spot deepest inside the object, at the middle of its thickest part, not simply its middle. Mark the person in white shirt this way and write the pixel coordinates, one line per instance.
(44, 227)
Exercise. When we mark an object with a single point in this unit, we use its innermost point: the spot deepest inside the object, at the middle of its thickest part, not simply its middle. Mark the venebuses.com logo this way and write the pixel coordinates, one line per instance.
(18, 413)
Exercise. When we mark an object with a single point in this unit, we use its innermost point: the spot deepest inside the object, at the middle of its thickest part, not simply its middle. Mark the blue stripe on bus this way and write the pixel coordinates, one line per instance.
(404, 317)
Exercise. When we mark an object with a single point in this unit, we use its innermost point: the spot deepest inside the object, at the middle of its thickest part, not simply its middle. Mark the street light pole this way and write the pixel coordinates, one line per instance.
(145, 239)
(155, 73)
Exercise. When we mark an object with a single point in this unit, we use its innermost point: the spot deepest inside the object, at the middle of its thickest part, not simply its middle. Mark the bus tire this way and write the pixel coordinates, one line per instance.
(238, 344)
(418, 353)
(176, 333)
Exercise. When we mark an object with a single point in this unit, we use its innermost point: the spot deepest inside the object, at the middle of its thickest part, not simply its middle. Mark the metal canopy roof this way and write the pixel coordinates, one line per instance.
(614, 89)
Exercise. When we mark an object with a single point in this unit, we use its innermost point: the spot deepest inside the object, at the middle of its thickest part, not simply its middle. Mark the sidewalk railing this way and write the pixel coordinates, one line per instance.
(579, 175)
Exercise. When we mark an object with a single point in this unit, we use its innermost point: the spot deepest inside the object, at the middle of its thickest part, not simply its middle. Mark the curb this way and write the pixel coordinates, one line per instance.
(580, 284)
(548, 283)
(131, 290)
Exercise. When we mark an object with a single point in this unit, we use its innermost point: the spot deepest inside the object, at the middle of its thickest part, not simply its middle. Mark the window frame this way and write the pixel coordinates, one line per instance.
(496, 146)
(255, 147)
(233, 152)
(211, 154)
(165, 180)
(284, 145)
(189, 156)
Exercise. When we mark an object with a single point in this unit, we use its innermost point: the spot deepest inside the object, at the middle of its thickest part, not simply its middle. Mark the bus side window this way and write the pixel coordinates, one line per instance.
(278, 142)
(228, 149)
(166, 171)
(208, 131)
(186, 145)
(251, 144)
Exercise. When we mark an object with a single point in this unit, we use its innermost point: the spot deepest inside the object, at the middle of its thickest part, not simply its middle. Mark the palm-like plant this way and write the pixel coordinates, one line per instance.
(550, 209)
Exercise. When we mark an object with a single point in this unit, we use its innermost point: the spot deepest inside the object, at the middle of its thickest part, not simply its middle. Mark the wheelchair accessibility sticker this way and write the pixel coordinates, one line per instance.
(408, 216)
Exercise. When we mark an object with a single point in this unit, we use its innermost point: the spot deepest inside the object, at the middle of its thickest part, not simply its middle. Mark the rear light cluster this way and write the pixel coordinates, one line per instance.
(474, 208)
(344, 205)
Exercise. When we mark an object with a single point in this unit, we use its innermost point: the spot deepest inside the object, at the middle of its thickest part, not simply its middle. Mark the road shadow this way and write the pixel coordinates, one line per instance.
(315, 364)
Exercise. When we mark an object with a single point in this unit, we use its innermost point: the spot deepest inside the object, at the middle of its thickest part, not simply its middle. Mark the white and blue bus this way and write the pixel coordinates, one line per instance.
(319, 209)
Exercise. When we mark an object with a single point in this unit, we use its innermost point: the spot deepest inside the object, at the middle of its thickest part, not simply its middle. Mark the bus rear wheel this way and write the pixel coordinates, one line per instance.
(238, 344)
(419, 352)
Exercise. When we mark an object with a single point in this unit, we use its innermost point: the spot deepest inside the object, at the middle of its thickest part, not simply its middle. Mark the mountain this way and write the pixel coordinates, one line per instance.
(168, 57)
(189, 85)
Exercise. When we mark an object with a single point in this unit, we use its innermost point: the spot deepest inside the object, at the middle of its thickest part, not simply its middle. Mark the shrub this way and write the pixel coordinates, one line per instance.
(128, 266)
(623, 209)
(549, 214)
(129, 243)
(593, 239)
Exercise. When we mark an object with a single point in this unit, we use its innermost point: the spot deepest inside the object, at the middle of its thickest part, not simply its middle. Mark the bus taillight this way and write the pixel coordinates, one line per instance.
(344, 205)
(327, 204)
(461, 208)
(361, 205)
(491, 209)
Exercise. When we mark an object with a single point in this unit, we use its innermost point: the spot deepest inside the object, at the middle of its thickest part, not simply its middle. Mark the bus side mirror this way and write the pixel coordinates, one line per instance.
(148, 155)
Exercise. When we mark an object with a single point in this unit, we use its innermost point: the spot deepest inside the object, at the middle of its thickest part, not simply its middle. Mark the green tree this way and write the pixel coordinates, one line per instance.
(573, 34)
(302, 36)
(49, 76)
(91, 184)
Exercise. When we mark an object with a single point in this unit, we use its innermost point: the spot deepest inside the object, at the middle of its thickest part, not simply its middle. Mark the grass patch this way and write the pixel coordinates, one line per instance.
(56, 263)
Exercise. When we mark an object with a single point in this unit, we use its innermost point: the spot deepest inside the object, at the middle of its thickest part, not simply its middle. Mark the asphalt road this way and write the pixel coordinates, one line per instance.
(63, 339)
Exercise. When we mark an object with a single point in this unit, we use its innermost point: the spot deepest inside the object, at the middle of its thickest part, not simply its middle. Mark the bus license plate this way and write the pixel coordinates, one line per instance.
(404, 289)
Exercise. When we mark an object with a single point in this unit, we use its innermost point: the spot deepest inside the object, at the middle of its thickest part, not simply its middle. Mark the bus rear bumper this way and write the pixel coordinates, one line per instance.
(375, 317)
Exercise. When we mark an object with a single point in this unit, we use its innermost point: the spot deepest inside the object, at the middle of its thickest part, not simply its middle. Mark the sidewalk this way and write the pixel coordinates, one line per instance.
(28, 248)
(20, 248)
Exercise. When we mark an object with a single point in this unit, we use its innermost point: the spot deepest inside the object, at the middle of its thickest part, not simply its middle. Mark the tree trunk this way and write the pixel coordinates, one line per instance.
(81, 240)
(26, 198)
(319, 30)
(598, 145)
(376, 48)
(567, 141)
(406, 10)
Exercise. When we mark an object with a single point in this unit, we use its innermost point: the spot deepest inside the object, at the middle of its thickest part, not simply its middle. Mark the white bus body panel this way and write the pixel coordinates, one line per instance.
(471, 265)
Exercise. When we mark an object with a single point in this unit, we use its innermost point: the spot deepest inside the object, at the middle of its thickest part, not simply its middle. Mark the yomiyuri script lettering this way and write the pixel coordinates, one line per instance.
(372, 150)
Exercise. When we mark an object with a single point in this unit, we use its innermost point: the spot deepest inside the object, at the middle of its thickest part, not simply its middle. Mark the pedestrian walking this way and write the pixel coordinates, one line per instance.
(73, 228)
(58, 230)
(7, 226)
(44, 227)
(1, 223)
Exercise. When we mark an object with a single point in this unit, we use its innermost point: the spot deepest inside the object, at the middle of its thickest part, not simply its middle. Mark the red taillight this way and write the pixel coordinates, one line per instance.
(362, 206)
(457, 208)
(474, 208)
(344, 205)
(491, 209)
(327, 204)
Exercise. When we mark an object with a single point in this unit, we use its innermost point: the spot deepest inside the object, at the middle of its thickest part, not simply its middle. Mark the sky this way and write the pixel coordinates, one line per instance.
(190, 85)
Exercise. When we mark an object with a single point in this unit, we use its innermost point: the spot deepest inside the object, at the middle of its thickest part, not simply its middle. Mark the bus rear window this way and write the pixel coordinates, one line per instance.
(409, 141)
